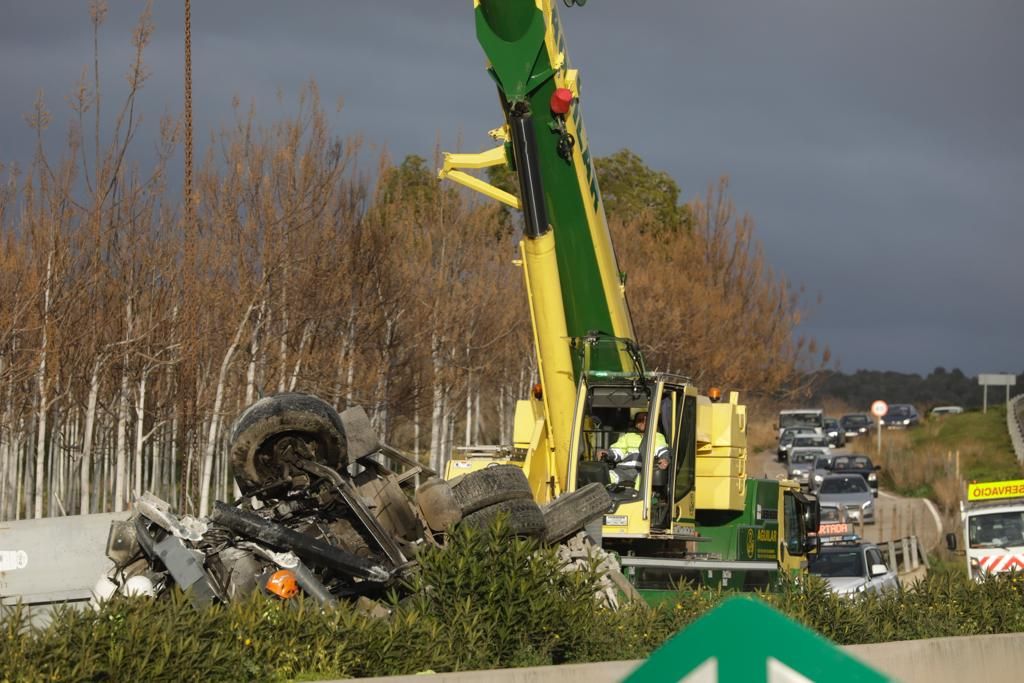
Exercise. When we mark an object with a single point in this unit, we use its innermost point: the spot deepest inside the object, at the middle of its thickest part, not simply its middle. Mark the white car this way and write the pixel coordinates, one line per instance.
(939, 411)
(853, 568)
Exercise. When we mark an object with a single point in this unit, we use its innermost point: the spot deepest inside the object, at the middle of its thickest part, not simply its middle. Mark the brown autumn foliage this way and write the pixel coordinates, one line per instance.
(129, 339)
(707, 305)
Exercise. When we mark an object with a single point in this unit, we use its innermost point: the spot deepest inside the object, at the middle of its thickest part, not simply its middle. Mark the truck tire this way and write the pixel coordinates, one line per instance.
(570, 512)
(437, 505)
(490, 486)
(260, 424)
(523, 517)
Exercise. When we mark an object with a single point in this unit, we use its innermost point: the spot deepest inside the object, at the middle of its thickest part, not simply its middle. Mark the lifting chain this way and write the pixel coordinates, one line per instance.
(565, 144)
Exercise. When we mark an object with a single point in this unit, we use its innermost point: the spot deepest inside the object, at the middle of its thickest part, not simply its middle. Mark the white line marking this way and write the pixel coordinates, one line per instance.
(886, 494)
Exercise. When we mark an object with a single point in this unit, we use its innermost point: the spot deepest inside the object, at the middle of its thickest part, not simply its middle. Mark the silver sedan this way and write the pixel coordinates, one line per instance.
(850, 492)
(853, 568)
(801, 464)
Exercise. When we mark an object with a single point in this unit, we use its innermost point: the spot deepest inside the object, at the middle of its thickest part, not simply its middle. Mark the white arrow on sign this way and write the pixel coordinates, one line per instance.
(707, 672)
(777, 672)
(780, 673)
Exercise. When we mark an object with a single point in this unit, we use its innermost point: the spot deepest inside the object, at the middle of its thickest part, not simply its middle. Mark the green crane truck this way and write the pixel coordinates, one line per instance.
(700, 518)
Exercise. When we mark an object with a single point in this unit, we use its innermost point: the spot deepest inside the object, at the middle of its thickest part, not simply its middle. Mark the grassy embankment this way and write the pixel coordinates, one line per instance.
(922, 462)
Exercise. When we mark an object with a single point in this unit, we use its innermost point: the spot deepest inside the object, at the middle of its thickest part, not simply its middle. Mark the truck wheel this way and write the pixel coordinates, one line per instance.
(570, 512)
(437, 505)
(256, 429)
(490, 486)
(523, 517)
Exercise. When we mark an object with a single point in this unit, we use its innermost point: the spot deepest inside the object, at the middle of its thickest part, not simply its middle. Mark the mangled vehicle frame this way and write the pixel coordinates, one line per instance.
(320, 514)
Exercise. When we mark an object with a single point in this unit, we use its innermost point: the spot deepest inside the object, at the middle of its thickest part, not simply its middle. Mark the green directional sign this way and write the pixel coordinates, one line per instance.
(746, 641)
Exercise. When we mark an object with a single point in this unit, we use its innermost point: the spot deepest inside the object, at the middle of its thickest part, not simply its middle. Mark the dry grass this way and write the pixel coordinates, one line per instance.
(939, 457)
(761, 436)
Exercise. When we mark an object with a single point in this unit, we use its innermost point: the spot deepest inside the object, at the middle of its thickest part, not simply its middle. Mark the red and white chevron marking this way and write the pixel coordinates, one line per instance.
(993, 564)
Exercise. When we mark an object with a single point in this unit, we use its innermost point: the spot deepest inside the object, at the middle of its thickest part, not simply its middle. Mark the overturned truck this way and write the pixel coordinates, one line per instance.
(320, 513)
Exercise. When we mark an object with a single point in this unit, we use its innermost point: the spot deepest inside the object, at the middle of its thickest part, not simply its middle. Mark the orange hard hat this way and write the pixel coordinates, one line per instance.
(282, 583)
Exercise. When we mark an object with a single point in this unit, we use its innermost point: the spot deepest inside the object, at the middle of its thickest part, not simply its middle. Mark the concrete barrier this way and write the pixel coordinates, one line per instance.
(935, 660)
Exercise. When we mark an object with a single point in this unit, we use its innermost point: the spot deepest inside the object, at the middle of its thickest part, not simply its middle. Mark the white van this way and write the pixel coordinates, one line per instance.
(946, 410)
(993, 528)
(807, 418)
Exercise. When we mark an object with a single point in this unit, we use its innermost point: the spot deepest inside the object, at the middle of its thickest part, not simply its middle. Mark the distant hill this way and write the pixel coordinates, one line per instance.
(939, 387)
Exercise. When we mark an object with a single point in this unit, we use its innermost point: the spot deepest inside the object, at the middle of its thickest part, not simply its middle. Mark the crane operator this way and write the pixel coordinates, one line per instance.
(626, 454)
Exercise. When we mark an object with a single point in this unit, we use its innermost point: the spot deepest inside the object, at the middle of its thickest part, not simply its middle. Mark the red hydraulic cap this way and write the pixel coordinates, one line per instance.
(561, 100)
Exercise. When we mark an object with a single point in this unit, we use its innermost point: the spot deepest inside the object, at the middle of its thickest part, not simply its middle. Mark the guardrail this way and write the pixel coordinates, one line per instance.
(1015, 424)
(905, 554)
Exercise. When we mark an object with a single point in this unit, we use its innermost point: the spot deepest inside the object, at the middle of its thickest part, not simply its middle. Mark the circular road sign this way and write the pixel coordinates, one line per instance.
(879, 408)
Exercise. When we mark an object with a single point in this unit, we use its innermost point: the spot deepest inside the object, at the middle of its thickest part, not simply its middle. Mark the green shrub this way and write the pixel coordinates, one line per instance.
(485, 601)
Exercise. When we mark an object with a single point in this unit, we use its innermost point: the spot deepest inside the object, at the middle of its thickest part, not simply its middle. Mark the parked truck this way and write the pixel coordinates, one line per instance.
(700, 518)
(993, 528)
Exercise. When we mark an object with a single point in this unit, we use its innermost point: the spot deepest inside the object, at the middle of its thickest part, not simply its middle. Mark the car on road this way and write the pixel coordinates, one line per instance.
(901, 416)
(853, 568)
(852, 493)
(801, 464)
(834, 433)
(831, 513)
(855, 463)
(940, 411)
(786, 440)
(809, 418)
(856, 424)
(822, 468)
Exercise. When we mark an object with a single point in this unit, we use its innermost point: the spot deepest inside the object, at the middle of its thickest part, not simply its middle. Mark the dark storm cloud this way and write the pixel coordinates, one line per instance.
(878, 145)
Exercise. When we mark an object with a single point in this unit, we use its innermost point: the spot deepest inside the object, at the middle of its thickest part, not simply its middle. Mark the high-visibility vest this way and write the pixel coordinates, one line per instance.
(626, 451)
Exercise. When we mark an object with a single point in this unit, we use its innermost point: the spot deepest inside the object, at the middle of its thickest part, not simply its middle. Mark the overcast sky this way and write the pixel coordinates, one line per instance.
(878, 144)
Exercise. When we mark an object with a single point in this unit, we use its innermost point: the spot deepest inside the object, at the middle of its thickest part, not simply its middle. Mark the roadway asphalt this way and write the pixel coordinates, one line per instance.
(896, 516)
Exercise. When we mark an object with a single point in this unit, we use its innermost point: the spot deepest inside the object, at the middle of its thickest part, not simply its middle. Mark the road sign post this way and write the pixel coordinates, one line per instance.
(879, 409)
(987, 380)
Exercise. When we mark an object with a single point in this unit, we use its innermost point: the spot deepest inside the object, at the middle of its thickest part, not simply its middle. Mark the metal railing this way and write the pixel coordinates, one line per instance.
(905, 554)
(1015, 424)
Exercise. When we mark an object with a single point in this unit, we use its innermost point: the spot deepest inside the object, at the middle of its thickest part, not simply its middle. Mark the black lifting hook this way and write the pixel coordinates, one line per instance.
(565, 144)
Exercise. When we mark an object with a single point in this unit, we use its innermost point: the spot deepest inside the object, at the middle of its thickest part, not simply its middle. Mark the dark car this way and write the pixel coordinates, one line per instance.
(856, 424)
(900, 416)
(835, 434)
(855, 463)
